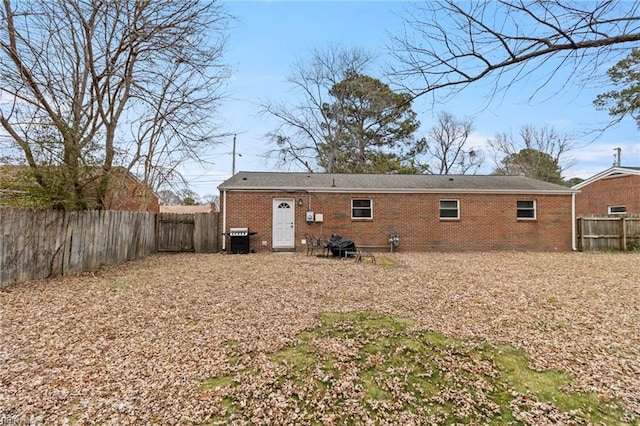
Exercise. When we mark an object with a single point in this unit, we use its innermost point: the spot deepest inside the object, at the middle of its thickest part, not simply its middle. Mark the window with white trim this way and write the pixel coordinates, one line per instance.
(449, 209)
(361, 208)
(617, 209)
(526, 209)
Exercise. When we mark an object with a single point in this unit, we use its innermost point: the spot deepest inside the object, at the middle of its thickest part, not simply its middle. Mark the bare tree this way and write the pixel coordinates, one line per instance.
(85, 71)
(174, 124)
(211, 199)
(450, 44)
(168, 197)
(540, 153)
(447, 146)
(306, 124)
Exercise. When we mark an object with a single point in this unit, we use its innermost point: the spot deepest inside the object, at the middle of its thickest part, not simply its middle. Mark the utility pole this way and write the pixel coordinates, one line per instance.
(617, 155)
(233, 153)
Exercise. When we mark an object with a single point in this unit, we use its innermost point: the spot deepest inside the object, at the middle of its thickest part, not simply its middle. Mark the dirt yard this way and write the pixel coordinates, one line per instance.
(133, 344)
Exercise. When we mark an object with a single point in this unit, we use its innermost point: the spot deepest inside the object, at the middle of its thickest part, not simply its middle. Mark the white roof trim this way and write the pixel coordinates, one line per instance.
(609, 173)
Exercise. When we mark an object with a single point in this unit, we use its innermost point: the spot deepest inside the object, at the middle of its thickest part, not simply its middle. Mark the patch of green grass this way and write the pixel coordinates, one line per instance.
(388, 371)
(299, 357)
(214, 383)
(234, 360)
(371, 389)
(549, 386)
(437, 339)
(226, 409)
(388, 262)
(306, 336)
(514, 365)
(353, 324)
(127, 283)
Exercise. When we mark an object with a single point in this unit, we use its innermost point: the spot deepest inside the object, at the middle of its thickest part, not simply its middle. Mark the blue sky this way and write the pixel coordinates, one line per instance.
(269, 35)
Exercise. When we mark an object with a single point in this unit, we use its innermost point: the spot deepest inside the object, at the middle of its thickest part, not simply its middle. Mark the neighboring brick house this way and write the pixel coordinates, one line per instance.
(428, 212)
(128, 193)
(125, 192)
(614, 191)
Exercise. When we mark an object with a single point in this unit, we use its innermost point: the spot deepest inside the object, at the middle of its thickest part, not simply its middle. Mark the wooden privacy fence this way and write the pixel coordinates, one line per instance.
(196, 232)
(608, 233)
(46, 243)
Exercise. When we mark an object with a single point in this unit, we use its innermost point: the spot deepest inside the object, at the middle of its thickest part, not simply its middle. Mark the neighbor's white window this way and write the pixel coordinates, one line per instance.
(361, 209)
(617, 209)
(526, 209)
(449, 209)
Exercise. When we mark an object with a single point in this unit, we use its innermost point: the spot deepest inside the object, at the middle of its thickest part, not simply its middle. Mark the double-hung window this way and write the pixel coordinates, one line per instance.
(361, 208)
(526, 209)
(449, 209)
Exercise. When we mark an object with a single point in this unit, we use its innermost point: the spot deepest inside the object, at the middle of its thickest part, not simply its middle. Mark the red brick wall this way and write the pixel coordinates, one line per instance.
(487, 222)
(127, 194)
(595, 198)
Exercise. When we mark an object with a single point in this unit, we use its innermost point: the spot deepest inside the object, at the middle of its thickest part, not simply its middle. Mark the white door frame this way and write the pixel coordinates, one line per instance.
(284, 223)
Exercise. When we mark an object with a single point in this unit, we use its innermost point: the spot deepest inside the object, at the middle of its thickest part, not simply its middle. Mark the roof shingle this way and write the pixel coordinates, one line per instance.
(327, 182)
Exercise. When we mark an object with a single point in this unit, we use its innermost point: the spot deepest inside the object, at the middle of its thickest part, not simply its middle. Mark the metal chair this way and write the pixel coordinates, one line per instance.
(316, 243)
(311, 243)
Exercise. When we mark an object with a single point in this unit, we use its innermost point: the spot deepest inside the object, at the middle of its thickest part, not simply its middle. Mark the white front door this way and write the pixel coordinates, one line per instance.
(283, 225)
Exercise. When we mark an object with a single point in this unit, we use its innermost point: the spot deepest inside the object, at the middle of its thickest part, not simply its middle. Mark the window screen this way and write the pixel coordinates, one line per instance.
(449, 209)
(526, 209)
(361, 209)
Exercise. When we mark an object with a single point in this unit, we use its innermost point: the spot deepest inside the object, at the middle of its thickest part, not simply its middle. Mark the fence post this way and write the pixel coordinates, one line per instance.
(623, 232)
(581, 232)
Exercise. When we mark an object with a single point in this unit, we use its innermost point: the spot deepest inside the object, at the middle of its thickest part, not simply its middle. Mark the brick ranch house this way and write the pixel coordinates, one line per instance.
(428, 212)
(615, 191)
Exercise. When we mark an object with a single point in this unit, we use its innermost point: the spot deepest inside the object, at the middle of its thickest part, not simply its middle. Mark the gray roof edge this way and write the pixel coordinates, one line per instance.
(401, 190)
(239, 182)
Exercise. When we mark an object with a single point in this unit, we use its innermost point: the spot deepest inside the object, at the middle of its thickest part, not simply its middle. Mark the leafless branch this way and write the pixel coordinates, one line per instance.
(448, 147)
(305, 124)
(450, 44)
(90, 71)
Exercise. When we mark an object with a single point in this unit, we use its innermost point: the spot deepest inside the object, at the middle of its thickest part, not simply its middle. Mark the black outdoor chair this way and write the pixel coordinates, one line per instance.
(316, 243)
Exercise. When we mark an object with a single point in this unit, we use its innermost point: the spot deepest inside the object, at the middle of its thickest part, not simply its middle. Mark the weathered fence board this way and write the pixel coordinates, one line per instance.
(175, 232)
(184, 232)
(608, 233)
(205, 233)
(44, 243)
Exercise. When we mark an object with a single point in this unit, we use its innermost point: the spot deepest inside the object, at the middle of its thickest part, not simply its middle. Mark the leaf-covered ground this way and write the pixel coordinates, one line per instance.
(188, 339)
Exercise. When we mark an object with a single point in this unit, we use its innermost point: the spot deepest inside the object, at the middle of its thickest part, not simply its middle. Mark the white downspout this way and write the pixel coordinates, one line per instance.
(573, 222)
(224, 219)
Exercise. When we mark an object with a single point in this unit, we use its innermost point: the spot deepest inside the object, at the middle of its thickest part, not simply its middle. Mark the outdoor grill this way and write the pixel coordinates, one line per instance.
(240, 242)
